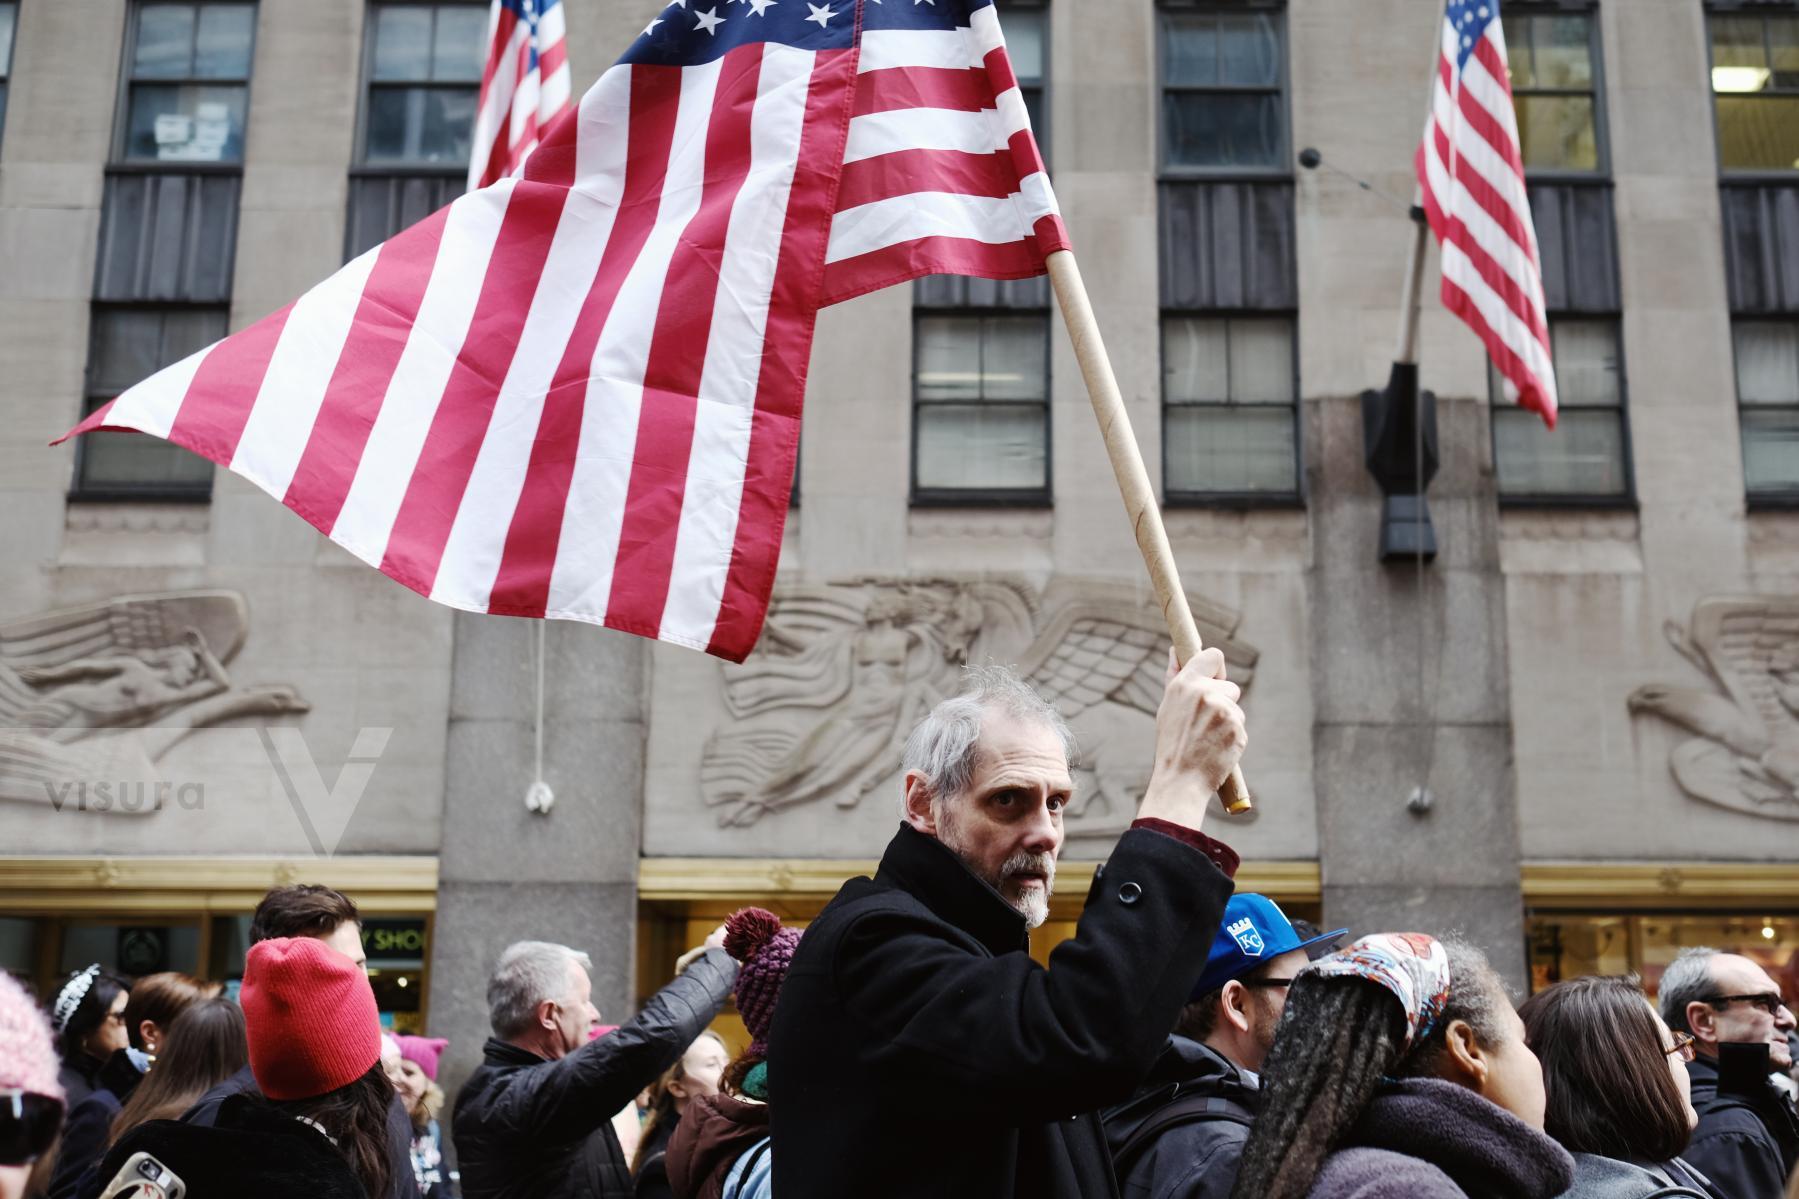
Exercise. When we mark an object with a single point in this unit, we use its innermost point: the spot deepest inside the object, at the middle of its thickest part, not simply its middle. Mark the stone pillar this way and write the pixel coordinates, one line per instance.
(1383, 726)
(508, 874)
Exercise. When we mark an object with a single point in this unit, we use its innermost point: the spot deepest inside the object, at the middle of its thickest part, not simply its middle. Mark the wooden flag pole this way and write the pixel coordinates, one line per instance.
(1133, 479)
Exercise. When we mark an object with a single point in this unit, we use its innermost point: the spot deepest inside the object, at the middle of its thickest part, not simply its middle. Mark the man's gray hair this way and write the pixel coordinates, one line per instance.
(529, 973)
(943, 746)
(1688, 979)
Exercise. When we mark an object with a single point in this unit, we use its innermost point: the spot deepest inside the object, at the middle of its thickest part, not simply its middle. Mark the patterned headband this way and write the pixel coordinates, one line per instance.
(1411, 965)
(70, 997)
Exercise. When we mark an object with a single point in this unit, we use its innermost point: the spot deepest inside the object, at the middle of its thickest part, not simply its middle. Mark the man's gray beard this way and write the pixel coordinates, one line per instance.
(1033, 904)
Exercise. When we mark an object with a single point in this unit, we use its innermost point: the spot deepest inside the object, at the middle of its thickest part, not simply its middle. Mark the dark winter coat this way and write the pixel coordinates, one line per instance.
(918, 1050)
(79, 1076)
(248, 1151)
(1746, 1144)
(1181, 1136)
(529, 1128)
(85, 1132)
(399, 1128)
(1429, 1139)
(1598, 1177)
(652, 1160)
(712, 1135)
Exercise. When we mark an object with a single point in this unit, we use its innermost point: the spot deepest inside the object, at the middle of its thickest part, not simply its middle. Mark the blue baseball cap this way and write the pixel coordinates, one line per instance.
(1254, 932)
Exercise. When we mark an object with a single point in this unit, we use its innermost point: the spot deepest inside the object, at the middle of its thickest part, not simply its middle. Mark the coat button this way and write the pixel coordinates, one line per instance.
(1129, 893)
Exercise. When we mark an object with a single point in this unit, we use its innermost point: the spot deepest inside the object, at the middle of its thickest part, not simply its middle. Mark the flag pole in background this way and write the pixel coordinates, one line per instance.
(1133, 480)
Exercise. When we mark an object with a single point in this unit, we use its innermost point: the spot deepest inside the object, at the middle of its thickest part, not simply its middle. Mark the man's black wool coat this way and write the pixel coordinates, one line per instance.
(917, 1049)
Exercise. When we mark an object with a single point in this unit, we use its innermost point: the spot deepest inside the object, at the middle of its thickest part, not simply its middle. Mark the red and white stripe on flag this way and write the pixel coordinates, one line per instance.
(524, 86)
(576, 392)
(1472, 172)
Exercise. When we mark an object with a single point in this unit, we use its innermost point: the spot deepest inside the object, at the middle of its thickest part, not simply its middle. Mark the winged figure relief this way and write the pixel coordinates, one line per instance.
(102, 692)
(1745, 750)
(821, 711)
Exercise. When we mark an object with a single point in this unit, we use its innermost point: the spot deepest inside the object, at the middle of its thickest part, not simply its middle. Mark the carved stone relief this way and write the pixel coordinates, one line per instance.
(100, 693)
(819, 713)
(1744, 754)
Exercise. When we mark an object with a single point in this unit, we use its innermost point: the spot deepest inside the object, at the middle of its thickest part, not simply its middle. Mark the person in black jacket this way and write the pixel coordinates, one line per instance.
(1180, 1136)
(534, 1121)
(1747, 1141)
(917, 1049)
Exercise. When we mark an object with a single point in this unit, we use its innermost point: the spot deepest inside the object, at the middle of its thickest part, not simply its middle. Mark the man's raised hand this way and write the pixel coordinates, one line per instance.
(1199, 738)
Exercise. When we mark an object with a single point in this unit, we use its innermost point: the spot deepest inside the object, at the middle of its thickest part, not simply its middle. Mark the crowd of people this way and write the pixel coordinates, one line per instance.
(1187, 1041)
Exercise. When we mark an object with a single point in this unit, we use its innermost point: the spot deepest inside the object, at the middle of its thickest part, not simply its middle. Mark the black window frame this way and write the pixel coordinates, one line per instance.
(1186, 498)
(117, 161)
(368, 85)
(1744, 8)
(985, 497)
(1283, 167)
(1527, 9)
(6, 58)
(1786, 499)
(1625, 500)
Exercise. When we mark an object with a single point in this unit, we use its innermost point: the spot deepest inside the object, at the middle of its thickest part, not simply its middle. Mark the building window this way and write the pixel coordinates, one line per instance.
(1229, 418)
(1555, 90)
(1027, 44)
(9, 18)
(1767, 361)
(981, 408)
(1585, 456)
(187, 83)
(424, 80)
(1755, 88)
(1222, 101)
(127, 344)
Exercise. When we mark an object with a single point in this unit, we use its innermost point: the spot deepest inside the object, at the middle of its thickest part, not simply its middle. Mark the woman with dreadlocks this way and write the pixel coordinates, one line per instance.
(1400, 1068)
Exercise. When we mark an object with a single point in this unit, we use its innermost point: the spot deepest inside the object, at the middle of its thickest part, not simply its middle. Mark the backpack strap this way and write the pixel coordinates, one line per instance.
(1182, 1109)
(749, 1163)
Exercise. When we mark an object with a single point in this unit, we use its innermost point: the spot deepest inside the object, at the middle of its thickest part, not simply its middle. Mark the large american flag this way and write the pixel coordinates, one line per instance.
(524, 86)
(1472, 174)
(576, 393)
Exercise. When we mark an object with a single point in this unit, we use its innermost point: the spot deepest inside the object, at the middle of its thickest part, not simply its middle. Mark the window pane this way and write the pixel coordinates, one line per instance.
(165, 42)
(1557, 132)
(127, 348)
(1767, 354)
(1195, 361)
(2, 105)
(1563, 57)
(1771, 449)
(136, 460)
(1737, 42)
(1248, 51)
(1014, 358)
(1583, 455)
(949, 358)
(7, 13)
(456, 51)
(224, 42)
(981, 446)
(185, 123)
(1586, 362)
(1024, 42)
(1261, 362)
(403, 42)
(1783, 42)
(1230, 448)
(1189, 50)
(1759, 132)
(423, 125)
(1222, 130)
(1519, 63)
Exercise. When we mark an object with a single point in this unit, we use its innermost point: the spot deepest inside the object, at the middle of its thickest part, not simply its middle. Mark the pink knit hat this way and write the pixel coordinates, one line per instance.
(311, 1018)
(755, 937)
(27, 1057)
(424, 1051)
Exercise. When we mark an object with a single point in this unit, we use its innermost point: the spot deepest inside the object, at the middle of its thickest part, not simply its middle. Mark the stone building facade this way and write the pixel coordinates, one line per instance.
(1574, 734)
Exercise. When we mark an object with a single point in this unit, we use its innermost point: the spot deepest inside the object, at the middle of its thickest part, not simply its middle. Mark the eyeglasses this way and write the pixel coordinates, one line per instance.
(28, 1123)
(1770, 1003)
(1683, 1047)
(1267, 982)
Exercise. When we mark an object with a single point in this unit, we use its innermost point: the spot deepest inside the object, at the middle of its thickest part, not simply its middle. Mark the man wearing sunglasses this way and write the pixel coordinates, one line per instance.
(31, 1100)
(1747, 1140)
(1182, 1134)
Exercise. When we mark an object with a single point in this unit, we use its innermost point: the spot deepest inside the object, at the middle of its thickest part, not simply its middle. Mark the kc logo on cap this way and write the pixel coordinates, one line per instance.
(1247, 938)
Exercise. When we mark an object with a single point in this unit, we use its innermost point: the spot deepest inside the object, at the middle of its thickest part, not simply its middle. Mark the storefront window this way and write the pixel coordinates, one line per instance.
(1570, 945)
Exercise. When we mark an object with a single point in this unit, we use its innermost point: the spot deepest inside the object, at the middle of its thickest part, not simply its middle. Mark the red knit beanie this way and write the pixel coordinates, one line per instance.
(310, 1017)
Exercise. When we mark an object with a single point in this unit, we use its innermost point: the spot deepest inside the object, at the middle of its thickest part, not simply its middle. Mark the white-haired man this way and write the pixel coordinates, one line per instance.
(917, 1049)
(534, 1121)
